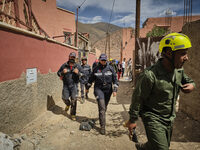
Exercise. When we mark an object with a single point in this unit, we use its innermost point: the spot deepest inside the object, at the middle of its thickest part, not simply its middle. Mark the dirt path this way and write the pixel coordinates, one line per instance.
(54, 130)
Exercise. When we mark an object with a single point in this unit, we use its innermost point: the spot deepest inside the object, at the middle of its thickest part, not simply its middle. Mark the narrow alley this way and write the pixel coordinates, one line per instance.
(54, 130)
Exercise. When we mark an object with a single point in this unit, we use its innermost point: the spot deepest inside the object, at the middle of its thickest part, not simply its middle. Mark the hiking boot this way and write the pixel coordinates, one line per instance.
(103, 131)
(73, 117)
(82, 100)
(66, 108)
(140, 146)
(86, 96)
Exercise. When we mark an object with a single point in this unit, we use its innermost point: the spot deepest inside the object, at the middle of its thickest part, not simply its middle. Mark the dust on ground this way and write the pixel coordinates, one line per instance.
(54, 130)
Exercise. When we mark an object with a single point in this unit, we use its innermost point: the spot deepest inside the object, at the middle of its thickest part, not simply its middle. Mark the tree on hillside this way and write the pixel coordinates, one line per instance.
(157, 32)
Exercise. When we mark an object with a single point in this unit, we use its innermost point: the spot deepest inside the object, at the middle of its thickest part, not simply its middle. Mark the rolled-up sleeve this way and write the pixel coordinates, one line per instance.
(186, 79)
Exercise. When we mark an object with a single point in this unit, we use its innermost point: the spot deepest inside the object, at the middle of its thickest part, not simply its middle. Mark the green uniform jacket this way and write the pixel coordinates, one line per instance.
(156, 92)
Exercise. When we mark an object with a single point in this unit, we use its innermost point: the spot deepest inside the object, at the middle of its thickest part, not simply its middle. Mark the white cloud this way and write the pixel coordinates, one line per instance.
(128, 20)
(119, 7)
(91, 20)
(149, 8)
(168, 12)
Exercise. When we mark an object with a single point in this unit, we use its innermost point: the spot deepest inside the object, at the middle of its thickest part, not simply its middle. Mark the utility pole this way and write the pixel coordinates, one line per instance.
(109, 46)
(77, 26)
(76, 44)
(106, 42)
(137, 34)
(121, 52)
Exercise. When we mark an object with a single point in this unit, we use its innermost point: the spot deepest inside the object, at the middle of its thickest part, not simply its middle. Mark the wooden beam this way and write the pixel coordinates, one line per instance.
(7, 1)
(10, 17)
(30, 13)
(16, 9)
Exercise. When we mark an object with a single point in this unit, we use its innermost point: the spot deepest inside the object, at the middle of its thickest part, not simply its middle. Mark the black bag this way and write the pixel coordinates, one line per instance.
(87, 125)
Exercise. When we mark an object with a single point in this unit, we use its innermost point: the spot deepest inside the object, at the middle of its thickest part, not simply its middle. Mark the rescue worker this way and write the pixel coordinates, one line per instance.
(95, 64)
(85, 77)
(69, 73)
(103, 76)
(156, 92)
(113, 64)
(72, 55)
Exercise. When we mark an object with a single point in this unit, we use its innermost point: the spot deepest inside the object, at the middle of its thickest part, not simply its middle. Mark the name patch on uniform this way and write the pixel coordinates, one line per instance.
(86, 69)
(108, 73)
(98, 74)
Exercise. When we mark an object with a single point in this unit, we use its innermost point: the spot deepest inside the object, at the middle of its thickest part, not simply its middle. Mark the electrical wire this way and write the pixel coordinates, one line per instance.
(107, 32)
(82, 3)
(110, 16)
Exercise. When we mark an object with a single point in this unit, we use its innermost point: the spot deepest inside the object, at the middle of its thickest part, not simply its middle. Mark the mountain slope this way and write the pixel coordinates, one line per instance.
(96, 31)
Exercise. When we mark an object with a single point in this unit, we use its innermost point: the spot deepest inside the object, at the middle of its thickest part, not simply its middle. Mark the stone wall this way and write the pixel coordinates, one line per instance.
(190, 103)
(21, 103)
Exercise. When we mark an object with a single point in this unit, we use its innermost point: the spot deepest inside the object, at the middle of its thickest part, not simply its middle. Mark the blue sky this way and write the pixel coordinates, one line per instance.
(93, 11)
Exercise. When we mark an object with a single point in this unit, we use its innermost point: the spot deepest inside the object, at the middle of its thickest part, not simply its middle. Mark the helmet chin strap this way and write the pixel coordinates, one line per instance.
(171, 60)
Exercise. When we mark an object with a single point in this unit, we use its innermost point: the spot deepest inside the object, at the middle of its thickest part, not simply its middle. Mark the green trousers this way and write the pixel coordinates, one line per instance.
(158, 134)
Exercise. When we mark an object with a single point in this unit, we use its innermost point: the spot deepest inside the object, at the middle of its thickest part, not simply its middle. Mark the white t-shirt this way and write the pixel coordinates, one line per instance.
(123, 64)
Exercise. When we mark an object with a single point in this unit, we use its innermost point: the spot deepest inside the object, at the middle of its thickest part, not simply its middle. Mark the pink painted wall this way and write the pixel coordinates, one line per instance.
(51, 19)
(91, 59)
(130, 46)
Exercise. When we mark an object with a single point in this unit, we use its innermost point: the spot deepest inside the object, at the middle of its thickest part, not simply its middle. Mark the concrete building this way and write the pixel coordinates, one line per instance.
(128, 43)
(174, 24)
(121, 44)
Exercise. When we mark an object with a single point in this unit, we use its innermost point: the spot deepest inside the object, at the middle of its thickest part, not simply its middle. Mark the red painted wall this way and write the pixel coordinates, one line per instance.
(19, 52)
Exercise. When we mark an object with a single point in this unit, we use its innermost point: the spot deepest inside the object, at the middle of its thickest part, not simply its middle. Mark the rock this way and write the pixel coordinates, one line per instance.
(111, 140)
(35, 141)
(42, 136)
(26, 145)
(45, 131)
(16, 136)
(72, 132)
(5, 142)
(24, 137)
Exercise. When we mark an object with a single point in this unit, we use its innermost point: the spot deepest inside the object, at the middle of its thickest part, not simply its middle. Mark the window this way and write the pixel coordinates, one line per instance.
(67, 36)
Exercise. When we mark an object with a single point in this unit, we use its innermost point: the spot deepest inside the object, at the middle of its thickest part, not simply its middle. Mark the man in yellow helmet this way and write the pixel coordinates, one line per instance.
(156, 92)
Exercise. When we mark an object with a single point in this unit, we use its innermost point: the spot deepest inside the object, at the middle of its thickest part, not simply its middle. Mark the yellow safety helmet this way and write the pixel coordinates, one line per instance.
(176, 41)
(110, 59)
(84, 58)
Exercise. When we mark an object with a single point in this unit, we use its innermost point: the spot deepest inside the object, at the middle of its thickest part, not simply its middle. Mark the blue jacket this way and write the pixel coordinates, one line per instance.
(70, 78)
(86, 72)
(104, 77)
